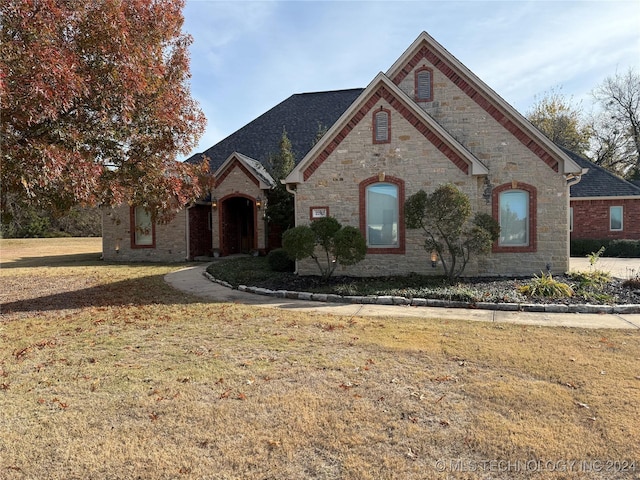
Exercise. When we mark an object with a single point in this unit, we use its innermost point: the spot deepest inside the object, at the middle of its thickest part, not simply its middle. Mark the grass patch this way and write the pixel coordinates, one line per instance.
(106, 372)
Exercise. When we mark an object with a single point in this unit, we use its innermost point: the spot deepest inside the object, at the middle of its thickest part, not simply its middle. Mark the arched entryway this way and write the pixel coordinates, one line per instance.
(238, 227)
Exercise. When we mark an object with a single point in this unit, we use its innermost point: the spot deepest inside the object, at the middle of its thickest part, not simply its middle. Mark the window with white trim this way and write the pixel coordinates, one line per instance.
(571, 219)
(514, 218)
(615, 218)
(382, 212)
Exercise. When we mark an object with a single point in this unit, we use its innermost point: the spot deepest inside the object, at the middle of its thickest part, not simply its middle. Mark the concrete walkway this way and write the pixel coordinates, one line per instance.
(191, 280)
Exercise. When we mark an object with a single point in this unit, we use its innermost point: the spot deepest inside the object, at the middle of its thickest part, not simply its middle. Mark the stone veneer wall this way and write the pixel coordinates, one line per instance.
(237, 181)
(411, 157)
(170, 238)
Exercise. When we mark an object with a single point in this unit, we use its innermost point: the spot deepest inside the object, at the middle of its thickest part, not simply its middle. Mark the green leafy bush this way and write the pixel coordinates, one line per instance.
(327, 242)
(614, 248)
(444, 218)
(279, 261)
(546, 286)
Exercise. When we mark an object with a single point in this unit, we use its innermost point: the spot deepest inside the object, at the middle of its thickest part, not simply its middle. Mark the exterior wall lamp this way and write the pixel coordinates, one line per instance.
(434, 258)
(258, 202)
(214, 203)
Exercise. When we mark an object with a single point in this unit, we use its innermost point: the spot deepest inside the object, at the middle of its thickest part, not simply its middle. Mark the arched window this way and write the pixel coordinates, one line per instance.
(424, 84)
(381, 214)
(514, 207)
(514, 218)
(381, 126)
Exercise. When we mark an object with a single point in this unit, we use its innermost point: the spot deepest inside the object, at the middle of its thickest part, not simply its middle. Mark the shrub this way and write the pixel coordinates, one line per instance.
(279, 261)
(614, 248)
(336, 244)
(546, 286)
(444, 218)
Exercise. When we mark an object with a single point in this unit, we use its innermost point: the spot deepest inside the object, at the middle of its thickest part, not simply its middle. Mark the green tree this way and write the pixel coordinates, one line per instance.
(96, 104)
(616, 140)
(561, 121)
(444, 218)
(280, 209)
(327, 242)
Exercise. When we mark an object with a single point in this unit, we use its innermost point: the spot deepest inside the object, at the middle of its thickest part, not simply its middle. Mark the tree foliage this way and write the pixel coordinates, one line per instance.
(561, 121)
(280, 210)
(616, 140)
(444, 218)
(96, 104)
(327, 242)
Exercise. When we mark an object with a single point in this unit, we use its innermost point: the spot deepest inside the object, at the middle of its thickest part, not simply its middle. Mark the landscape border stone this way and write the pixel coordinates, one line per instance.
(432, 302)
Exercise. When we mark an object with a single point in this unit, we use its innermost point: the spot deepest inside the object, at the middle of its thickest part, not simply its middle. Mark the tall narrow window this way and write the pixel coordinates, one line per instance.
(381, 126)
(514, 218)
(615, 218)
(571, 219)
(515, 208)
(382, 215)
(424, 88)
(142, 228)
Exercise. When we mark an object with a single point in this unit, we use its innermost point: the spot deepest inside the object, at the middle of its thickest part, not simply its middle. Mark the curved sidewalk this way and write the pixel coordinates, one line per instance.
(191, 280)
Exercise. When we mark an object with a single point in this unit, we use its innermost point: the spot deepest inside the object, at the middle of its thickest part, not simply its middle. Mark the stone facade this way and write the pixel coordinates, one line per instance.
(118, 245)
(417, 158)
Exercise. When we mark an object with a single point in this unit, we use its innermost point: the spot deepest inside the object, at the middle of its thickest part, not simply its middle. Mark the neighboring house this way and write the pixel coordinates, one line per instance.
(603, 205)
(427, 121)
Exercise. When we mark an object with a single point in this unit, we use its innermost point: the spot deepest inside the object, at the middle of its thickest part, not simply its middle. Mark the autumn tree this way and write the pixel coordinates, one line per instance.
(96, 105)
(561, 121)
(616, 140)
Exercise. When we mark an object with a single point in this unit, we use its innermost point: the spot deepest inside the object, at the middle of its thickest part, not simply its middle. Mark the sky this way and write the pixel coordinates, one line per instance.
(247, 56)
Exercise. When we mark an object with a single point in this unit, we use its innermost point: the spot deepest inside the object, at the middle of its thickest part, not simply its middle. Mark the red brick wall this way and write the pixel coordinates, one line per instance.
(591, 219)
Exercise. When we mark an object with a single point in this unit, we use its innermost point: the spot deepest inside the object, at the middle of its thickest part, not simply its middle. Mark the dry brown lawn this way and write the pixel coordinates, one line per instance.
(108, 373)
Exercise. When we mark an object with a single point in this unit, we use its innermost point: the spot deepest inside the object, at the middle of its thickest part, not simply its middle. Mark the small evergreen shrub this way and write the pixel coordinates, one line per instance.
(279, 261)
(614, 248)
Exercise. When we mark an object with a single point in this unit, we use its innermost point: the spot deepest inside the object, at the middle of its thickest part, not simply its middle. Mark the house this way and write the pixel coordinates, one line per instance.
(603, 206)
(426, 121)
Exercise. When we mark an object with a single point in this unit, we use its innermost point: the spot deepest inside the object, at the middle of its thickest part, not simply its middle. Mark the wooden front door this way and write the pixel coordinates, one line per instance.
(238, 226)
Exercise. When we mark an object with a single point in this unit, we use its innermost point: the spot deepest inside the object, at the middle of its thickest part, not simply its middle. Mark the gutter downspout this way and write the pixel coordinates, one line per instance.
(572, 179)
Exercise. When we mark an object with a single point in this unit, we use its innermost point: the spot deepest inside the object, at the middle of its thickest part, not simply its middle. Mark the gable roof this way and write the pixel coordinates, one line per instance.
(598, 182)
(300, 115)
(427, 47)
(252, 168)
(382, 87)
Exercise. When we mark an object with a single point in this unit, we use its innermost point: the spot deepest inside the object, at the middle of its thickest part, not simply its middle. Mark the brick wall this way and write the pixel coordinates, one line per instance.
(170, 239)
(591, 219)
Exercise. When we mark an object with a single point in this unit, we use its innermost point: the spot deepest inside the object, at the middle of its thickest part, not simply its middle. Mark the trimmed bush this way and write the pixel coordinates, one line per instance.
(613, 248)
(279, 261)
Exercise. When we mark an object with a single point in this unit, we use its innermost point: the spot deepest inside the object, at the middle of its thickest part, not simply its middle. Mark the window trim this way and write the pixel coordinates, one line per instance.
(571, 219)
(132, 224)
(533, 214)
(375, 125)
(611, 229)
(415, 79)
(401, 248)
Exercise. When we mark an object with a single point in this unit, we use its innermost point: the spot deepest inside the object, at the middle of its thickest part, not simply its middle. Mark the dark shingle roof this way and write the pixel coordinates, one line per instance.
(599, 182)
(299, 115)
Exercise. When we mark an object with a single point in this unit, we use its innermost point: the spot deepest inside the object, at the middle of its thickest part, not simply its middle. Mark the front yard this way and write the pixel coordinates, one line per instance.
(106, 372)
